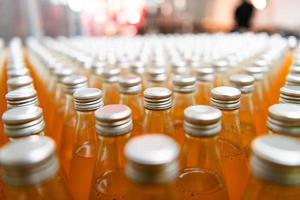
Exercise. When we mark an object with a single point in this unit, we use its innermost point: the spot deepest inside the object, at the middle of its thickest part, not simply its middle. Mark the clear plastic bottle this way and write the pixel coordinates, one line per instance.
(157, 104)
(31, 170)
(130, 89)
(68, 123)
(233, 154)
(21, 122)
(113, 127)
(87, 101)
(245, 84)
(275, 165)
(284, 119)
(152, 168)
(110, 88)
(202, 175)
(183, 97)
(204, 84)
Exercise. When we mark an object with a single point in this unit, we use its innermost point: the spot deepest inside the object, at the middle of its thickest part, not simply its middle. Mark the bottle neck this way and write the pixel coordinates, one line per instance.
(247, 107)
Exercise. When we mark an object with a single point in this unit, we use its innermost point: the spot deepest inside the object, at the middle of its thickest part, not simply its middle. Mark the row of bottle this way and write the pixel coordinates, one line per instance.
(158, 118)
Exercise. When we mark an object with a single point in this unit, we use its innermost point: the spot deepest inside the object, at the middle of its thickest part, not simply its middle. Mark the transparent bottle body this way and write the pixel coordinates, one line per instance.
(201, 176)
(109, 181)
(110, 93)
(247, 122)
(203, 90)
(181, 101)
(159, 121)
(95, 81)
(233, 154)
(83, 156)
(53, 188)
(260, 189)
(135, 103)
(138, 191)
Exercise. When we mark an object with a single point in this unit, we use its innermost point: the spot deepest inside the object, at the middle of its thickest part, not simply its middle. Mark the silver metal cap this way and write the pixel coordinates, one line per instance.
(156, 74)
(226, 98)
(113, 120)
(19, 82)
(284, 119)
(205, 74)
(202, 121)
(276, 159)
(295, 69)
(221, 65)
(245, 83)
(157, 98)
(23, 121)
(184, 84)
(61, 73)
(22, 97)
(290, 94)
(111, 75)
(87, 99)
(152, 159)
(293, 79)
(138, 68)
(28, 161)
(17, 72)
(73, 82)
(256, 72)
(130, 85)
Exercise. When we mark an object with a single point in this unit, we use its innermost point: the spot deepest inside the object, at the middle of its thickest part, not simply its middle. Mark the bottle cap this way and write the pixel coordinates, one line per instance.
(284, 119)
(22, 97)
(23, 121)
(295, 69)
(113, 120)
(87, 99)
(111, 75)
(202, 121)
(220, 65)
(184, 84)
(157, 98)
(130, 85)
(226, 98)
(19, 82)
(73, 82)
(61, 73)
(243, 82)
(290, 94)
(152, 159)
(276, 159)
(256, 72)
(17, 72)
(29, 161)
(293, 79)
(156, 74)
(205, 74)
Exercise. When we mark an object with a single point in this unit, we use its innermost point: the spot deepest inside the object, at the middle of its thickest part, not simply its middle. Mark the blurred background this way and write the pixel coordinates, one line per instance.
(54, 18)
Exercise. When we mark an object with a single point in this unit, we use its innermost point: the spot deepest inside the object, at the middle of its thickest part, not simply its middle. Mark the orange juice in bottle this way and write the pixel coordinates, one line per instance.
(201, 176)
(233, 154)
(275, 169)
(71, 84)
(151, 175)
(183, 97)
(204, 84)
(31, 170)
(245, 84)
(157, 104)
(284, 119)
(110, 89)
(113, 127)
(87, 101)
(130, 89)
(22, 122)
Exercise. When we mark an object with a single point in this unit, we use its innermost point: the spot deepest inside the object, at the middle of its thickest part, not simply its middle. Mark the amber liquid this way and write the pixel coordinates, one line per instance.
(49, 190)
(258, 189)
(203, 93)
(3, 91)
(111, 93)
(109, 181)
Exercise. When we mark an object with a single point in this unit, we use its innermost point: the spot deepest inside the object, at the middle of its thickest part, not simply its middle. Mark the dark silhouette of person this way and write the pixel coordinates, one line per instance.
(243, 15)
